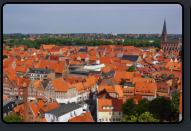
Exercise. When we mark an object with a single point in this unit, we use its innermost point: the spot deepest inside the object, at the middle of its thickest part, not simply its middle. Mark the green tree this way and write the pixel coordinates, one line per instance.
(5, 56)
(25, 49)
(144, 117)
(160, 107)
(128, 107)
(123, 81)
(13, 118)
(157, 50)
(147, 117)
(132, 118)
(131, 69)
(175, 105)
(9, 50)
(180, 53)
(142, 106)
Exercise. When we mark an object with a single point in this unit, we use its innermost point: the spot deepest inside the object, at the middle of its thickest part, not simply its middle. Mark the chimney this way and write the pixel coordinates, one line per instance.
(25, 95)
(175, 60)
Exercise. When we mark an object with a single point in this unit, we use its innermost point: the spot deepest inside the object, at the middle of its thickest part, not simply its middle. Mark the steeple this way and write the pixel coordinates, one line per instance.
(164, 26)
(164, 34)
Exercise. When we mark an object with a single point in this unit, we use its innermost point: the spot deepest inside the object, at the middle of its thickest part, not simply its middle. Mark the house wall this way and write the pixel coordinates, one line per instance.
(74, 99)
(65, 117)
(8, 108)
(51, 76)
(7, 85)
(32, 117)
(139, 59)
(71, 93)
(113, 115)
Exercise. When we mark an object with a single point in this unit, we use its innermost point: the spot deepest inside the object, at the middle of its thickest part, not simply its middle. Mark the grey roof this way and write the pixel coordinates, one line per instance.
(129, 85)
(40, 71)
(119, 54)
(64, 109)
(130, 57)
(164, 26)
(82, 50)
(79, 72)
(94, 72)
(144, 49)
(100, 49)
(108, 74)
(111, 82)
(5, 102)
(17, 101)
(173, 41)
(58, 55)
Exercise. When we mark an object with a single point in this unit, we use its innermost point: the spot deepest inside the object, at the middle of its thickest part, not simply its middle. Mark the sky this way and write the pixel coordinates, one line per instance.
(92, 18)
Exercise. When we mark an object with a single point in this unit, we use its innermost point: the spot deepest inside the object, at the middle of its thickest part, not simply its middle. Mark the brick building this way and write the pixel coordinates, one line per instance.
(169, 45)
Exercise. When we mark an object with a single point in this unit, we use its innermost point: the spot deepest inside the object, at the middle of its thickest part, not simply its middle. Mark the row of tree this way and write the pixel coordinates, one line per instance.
(157, 110)
(81, 42)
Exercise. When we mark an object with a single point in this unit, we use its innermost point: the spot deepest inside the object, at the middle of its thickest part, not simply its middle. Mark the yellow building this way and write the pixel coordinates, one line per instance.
(109, 110)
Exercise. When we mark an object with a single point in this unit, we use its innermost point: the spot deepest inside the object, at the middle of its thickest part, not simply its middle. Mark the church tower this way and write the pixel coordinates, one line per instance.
(164, 34)
(65, 71)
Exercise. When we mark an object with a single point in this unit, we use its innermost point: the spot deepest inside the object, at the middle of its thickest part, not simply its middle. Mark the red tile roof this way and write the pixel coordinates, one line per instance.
(86, 117)
(117, 103)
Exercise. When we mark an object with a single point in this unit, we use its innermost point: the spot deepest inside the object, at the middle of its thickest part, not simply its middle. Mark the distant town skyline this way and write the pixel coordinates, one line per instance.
(92, 18)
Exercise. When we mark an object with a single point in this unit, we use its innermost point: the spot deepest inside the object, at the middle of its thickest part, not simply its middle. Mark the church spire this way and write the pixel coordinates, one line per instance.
(164, 26)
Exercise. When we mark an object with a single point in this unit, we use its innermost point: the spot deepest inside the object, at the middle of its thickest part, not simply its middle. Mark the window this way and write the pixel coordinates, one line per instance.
(113, 113)
(70, 114)
(109, 119)
(102, 119)
(119, 113)
(109, 113)
(105, 119)
(113, 119)
(8, 107)
(119, 119)
(116, 119)
(12, 105)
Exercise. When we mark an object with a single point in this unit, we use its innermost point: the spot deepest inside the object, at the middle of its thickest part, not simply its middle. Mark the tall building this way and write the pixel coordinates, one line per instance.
(169, 45)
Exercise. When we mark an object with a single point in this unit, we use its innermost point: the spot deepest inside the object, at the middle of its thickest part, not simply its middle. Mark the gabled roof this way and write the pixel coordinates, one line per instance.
(142, 88)
(37, 106)
(144, 80)
(59, 111)
(168, 73)
(21, 69)
(46, 47)
(10, 70)
(124, 75)
(92, 58)
(86, 117)
(50, 106)
(7, 63)
(61, 85)
(117, 103)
